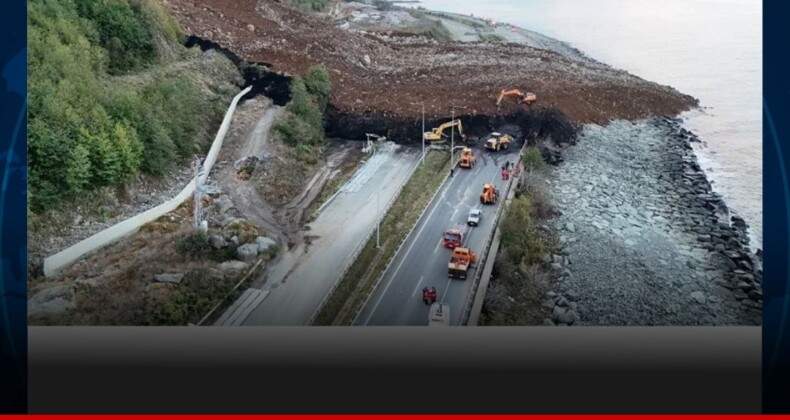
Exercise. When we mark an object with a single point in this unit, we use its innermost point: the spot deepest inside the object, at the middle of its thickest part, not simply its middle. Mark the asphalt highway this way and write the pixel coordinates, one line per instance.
(422, 260)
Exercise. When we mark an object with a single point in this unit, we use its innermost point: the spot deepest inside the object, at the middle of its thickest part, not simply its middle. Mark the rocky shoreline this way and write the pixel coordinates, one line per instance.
(644, 240)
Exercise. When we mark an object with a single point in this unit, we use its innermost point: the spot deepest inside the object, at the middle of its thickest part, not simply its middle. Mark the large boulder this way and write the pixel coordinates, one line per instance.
(234, 267)
(52, 300)
(264, 243)
(247, 252)
(223, 204)
(217, 242)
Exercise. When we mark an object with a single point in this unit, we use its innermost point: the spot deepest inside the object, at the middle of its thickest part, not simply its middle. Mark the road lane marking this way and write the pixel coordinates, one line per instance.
(414, 293)
(408, 251)
(446, 288)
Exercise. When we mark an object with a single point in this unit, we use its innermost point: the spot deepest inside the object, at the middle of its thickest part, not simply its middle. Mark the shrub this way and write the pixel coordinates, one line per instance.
(302, 126)
(439, 32)
(491, 38)
(318, 84)
(310, 5)
(532, 159)
(195, 244)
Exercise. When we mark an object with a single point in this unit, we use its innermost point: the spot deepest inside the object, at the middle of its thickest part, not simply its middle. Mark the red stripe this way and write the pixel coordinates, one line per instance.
(391, 417)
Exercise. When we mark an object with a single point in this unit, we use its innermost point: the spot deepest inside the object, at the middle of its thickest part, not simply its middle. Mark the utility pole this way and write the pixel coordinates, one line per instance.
(423, 133)
(452, 140)
(378, 221)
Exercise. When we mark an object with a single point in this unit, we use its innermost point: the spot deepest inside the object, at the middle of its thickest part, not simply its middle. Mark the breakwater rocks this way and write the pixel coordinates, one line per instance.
(644, 239)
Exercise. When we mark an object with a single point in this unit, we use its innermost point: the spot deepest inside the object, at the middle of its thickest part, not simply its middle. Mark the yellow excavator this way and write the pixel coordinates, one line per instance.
(524, 97)
(437, 134)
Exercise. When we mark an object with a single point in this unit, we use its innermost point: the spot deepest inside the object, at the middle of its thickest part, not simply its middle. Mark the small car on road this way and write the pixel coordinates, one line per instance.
(474, 217)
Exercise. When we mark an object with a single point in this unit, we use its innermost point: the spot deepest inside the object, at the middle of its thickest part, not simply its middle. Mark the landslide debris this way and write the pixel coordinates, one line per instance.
(389, 76)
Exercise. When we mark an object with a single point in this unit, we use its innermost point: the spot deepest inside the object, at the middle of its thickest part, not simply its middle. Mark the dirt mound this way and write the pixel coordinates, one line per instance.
(389, 76)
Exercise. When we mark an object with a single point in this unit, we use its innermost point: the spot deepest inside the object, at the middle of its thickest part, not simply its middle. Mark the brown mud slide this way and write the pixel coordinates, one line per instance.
(384, 79)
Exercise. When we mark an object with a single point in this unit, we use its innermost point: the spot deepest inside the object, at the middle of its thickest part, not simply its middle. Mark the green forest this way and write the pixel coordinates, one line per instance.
(91, 124)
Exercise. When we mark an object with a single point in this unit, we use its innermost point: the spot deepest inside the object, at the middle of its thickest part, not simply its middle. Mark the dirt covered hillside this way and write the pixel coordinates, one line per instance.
(387, 76)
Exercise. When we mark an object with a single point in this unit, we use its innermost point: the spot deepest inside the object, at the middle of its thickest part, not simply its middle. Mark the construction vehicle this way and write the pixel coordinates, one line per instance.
(437, 134)
(454, 237)
(460, 261)
(489, 194)
(467, 158)
(498, 141)
(524, 97)
(439, 315)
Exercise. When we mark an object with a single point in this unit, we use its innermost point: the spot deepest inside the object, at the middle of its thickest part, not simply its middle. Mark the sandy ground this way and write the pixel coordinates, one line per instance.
(295, 286)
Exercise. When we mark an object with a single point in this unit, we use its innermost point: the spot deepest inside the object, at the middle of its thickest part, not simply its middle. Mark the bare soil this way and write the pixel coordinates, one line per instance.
(387, 76)
(279, 187)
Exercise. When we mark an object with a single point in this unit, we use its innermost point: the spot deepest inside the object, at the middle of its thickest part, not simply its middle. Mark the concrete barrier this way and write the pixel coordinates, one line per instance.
(474, 304)
(57, 262)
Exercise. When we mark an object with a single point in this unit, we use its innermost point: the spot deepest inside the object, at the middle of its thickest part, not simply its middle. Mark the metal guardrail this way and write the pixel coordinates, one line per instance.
(487, 251)
(361, 245)
(397, 250)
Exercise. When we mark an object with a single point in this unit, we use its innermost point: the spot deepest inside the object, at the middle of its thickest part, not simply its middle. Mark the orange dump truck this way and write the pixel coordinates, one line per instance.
(489, 194)
(460, 261)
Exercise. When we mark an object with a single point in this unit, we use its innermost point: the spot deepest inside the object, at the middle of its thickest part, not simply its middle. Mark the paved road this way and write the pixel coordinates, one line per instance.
(422, 261)
(291, 291)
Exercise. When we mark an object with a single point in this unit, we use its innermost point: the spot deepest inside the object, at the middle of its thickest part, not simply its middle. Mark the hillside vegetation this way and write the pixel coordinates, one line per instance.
(103, 106)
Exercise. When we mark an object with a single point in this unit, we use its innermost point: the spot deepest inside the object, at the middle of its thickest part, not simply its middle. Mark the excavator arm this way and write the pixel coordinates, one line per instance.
(527, 98)
(438, 132)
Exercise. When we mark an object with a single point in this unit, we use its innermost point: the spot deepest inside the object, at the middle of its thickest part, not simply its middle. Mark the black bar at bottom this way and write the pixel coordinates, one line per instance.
(394, 370)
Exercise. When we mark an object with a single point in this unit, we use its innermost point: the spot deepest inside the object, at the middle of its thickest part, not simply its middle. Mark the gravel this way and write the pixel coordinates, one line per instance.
(650, 243)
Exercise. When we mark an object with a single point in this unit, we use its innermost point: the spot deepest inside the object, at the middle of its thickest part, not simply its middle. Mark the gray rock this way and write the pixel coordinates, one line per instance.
(233, 267)
(52, 300)
(551, 294)
(556, 266)
(169, 277)
(548, 322)
(92, 282)
(217, 242)
(698, 297)
(264, 243)
(558, 310)
(570, 227)
(568, 317)
(247, 252)
(557, 259)
(561, 301)
(223, 203)
(572, 295)
(366, 59)
(235, 240)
